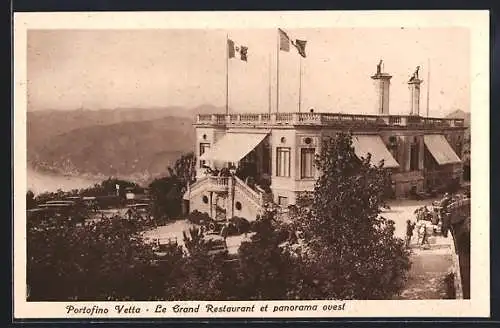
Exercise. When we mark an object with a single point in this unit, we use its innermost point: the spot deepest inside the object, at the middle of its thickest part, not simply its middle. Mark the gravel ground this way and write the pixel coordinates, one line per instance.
(399, 212)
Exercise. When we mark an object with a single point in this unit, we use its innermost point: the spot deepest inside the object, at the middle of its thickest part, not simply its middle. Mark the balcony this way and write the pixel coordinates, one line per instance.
(324, 119)
(218, 184)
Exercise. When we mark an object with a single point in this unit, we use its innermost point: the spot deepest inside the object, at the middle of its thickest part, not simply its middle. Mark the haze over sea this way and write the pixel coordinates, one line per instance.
(40, 182)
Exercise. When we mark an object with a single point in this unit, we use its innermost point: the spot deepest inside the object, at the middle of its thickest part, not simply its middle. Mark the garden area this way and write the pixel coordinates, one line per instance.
(338, 244)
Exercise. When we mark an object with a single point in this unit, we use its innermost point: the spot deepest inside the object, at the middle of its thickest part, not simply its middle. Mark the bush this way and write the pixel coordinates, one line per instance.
(101, 261)
(265, 270)
(239, 225)
(199, 218)
(453, 186)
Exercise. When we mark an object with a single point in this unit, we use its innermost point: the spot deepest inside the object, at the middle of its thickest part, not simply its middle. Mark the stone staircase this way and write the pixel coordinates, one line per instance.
(253, 196)
(227, 187)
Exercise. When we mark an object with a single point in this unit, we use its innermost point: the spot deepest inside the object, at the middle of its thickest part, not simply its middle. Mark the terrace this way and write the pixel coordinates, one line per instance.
(324, 119)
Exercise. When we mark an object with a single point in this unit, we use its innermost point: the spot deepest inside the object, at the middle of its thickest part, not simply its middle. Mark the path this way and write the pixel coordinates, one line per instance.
(428, 272)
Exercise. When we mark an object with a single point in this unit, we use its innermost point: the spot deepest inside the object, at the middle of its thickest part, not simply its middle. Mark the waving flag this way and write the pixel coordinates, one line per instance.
(236, 49)
(284, 41)
(301, 47)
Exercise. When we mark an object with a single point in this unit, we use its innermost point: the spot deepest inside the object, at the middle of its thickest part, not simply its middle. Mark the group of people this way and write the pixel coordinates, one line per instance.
(430, 222)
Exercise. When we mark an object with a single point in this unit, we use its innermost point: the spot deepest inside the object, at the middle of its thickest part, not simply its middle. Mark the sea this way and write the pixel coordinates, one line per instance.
(39, 182)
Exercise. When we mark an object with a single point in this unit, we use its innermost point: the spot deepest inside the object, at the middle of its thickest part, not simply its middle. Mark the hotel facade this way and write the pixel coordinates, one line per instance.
(270, 156)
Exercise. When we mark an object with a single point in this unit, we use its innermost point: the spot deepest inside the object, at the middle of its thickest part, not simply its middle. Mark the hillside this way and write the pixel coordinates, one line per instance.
(460, 114)
(84, 143)
(42, 125)
(121, 149)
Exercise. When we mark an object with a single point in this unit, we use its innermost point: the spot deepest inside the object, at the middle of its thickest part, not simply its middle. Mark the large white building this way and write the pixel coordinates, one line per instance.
(273, 153)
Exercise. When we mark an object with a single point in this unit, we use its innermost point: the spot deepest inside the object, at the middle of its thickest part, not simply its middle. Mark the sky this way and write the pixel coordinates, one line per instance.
(96, 69)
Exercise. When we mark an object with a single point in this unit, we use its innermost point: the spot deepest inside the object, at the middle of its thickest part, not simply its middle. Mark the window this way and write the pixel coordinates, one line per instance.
(282, 201)
(238, 206)
(205, 199)
(282, 162)
(203, 148)
(307, 163)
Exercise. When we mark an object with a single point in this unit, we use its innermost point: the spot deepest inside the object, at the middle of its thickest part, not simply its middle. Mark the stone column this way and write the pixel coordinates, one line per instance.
(414, 87)
(421, 152)
(382, 82)
(407, 152)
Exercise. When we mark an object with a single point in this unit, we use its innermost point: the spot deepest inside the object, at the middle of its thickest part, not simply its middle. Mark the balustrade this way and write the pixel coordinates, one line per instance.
(324, 119)
(249, 192)
(218, 183)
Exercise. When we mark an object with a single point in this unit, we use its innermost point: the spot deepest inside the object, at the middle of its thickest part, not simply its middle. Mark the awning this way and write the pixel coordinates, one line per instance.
(440, 149)
(233, 147)
(373, 144)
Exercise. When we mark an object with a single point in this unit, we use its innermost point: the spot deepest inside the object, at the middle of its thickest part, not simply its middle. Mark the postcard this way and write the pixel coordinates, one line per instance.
(251, 164)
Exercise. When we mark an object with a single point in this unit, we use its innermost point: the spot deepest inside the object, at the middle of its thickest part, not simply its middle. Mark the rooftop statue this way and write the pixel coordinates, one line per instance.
(415, 74)
(379, 67)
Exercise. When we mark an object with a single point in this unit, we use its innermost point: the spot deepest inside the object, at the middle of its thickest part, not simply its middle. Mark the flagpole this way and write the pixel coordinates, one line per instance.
(428, 83)
(269, 84)
(277, 72)
(227, 75)
(300, 82)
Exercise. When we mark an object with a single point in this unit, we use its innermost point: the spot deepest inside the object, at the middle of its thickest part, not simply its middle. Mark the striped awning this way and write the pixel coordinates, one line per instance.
(373, 144)
(440, 149)
(233, 147)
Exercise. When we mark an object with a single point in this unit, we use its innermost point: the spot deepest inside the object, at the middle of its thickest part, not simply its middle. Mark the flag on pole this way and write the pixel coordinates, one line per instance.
(301, 47)
(236, 49)
(284, 41)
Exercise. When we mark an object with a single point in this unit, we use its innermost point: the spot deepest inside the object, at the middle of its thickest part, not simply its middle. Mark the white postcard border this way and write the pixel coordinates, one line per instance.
(476, 21)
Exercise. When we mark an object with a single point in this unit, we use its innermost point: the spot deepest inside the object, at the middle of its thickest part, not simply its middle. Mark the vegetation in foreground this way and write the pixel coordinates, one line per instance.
(337, 247)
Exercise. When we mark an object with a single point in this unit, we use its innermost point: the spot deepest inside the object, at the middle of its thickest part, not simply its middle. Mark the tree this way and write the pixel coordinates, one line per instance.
(184, 169)
(207, 276)
(466, 158)
(167, 192)
(108, 187)
(265, 269)
(350, 251)
(30, 200)
(166, 195)
(105, 260)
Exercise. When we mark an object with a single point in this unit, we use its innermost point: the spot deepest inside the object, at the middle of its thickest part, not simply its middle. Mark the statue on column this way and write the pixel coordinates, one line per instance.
(379, 67)
(415, 74)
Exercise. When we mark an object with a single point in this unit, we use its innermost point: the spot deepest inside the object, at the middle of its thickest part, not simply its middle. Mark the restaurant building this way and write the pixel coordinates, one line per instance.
(270, 156)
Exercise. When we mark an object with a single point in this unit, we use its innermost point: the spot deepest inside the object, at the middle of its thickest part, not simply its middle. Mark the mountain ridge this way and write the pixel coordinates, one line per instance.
(134, 143)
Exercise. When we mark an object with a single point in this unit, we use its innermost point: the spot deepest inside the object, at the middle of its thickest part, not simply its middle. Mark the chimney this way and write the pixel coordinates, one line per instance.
(414, 86)
(382, 82)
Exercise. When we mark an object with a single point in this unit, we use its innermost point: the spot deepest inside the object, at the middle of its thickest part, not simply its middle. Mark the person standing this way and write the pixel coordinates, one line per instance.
(445, 215)
(424, 235)
(409, 232)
